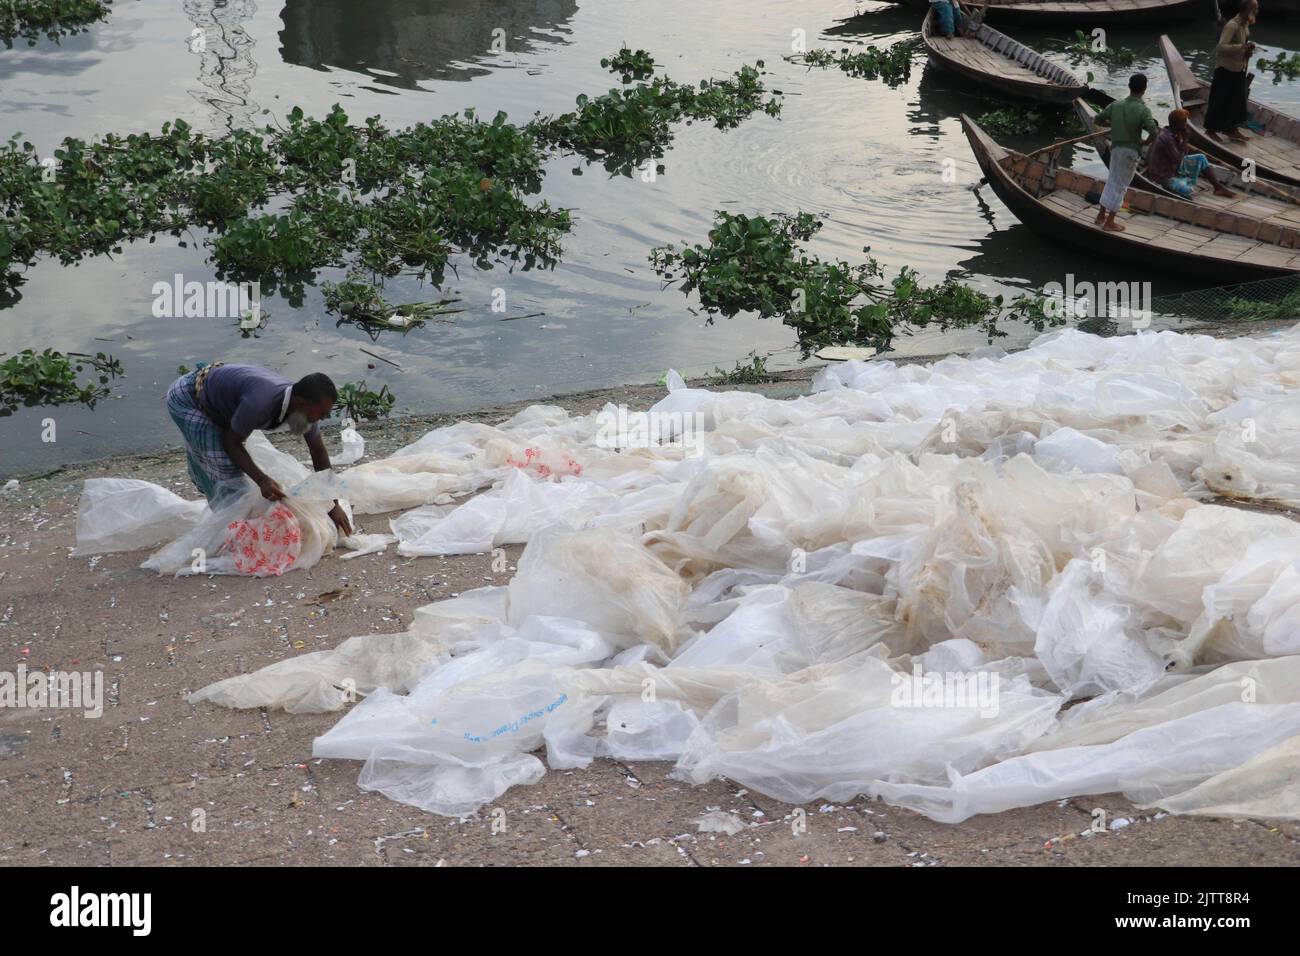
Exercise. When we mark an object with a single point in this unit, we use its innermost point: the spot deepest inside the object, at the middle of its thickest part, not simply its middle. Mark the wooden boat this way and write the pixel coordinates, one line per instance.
(1084, 14)
(999, 63)
(1276, 8)
(1161, 232)
(1251, 198)
(1275, 152)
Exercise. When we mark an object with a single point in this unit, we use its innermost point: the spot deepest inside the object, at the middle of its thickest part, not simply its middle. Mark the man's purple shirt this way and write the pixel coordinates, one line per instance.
(1165, 157)
(245, 398)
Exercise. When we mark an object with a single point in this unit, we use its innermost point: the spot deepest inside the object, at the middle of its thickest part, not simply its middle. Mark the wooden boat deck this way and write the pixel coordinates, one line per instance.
(1258, 198)
(1160, 231)
(1271, 151)
(976, 55)
(998, 62)
(1175, 225)
(1084, 8)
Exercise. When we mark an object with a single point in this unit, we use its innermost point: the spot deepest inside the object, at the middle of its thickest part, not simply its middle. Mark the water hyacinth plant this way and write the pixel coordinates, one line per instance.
(358, 302)
(33, 378)
(358, 402)
(31, 19)
(755, 264)
(282, 202)
(629, 65)
(891, 64)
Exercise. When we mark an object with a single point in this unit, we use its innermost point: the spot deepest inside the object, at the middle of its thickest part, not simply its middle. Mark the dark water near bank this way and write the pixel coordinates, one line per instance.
(867, 156)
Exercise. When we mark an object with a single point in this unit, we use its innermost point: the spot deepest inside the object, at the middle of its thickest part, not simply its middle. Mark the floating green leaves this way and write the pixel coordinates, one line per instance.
(630, 66)
(32, 19)
(1240, 309)
(626, 128)
(892, 64)
(358, 302)
(286, 201)
(34, 378)
(1024, 121)
(385, 200)
(1085, 47)
(755, 264)
(1284, 67)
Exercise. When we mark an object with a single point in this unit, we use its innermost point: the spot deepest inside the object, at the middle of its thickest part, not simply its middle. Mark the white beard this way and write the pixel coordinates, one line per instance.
(297, 423)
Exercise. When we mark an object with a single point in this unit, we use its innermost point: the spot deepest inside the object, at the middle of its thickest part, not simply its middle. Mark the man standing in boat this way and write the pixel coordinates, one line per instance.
(1127, 118)
(1229, 88)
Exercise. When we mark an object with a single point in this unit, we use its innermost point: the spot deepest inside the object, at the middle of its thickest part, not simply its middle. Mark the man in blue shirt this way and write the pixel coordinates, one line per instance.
(218, 406)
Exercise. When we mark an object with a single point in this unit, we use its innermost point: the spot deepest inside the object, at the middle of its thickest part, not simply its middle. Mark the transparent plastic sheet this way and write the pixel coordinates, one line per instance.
(1263, 786)
(1108, 718)
(1148, 765)
(1090, 643)
(1255, 451)
(126, 514)
(327, 680)
(605, 577)
(464, 735)
(766, 603)
(520, 507)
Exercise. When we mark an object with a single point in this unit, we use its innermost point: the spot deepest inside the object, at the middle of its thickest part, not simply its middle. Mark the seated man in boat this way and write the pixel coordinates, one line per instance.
(1226, 109)
(1127, 118)
(950, 19)
(1169, 163)
(218, 406)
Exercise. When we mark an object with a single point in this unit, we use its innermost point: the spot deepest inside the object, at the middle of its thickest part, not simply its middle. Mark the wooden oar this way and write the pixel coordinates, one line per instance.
(1069, 142)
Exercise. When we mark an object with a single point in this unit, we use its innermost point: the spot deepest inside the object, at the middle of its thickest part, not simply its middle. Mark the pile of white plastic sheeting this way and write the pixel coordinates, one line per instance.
(967, 586)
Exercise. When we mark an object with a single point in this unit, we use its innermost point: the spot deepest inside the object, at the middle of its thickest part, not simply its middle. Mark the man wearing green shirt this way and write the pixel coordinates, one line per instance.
(1127, 119)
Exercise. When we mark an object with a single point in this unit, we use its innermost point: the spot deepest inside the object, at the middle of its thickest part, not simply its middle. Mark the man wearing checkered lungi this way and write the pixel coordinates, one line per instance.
(1128, 119)
(218, 406)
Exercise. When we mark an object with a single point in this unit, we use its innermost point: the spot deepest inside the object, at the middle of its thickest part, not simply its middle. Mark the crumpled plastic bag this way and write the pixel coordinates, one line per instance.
(1090, 643)
(604, 577)
(1148, 766)
(245, 534)
(353, 445)
(126, 514)
(1262, 787)
(464, 735)
(292, 533)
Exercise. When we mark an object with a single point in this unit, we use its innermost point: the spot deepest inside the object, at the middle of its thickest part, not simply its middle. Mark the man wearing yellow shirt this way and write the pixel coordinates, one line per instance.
(1229, 88)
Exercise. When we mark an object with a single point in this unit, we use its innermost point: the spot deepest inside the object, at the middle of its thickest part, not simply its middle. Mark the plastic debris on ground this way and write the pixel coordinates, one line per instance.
(962, 587)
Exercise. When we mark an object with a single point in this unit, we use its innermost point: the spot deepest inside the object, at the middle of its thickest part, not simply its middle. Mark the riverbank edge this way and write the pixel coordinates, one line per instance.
(385, 436)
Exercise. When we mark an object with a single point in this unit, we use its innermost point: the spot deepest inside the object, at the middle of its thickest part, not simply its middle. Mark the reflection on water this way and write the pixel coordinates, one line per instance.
(225, 52)
(401, 42)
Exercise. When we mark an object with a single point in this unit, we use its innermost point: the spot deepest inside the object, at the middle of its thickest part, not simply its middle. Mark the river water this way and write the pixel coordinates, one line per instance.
(868, 157)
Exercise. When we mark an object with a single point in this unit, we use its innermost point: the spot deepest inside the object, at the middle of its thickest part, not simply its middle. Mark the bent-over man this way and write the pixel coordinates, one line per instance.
(218, 406)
